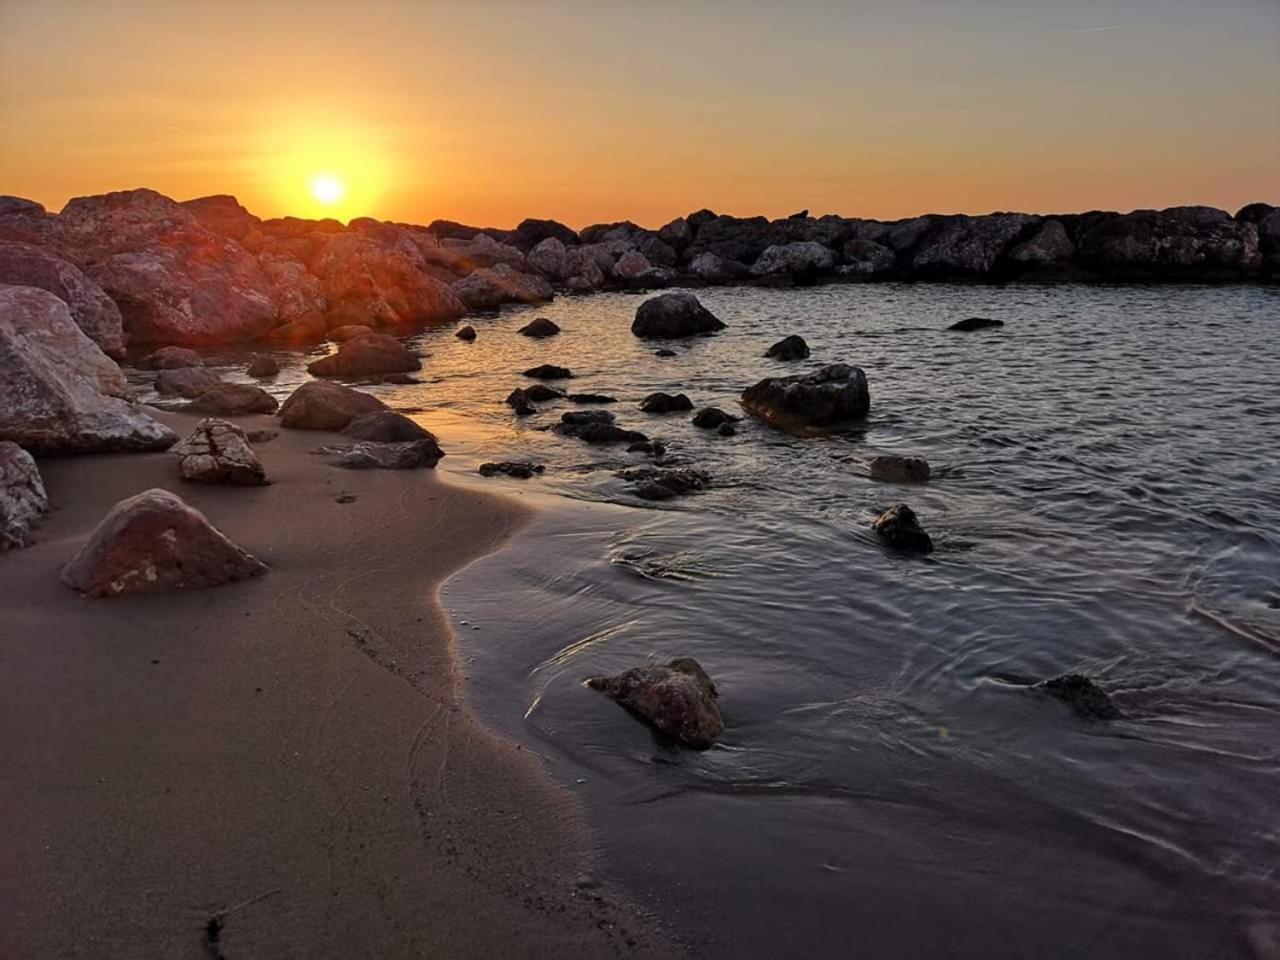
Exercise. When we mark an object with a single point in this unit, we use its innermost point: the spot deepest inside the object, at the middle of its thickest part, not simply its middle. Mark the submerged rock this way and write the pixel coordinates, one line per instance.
(187, 382)
(170, 358)
(663, 483)
(665, 403)
(385, 426)
(895, 469)
(263, 367)
(969, 324)
(596, 426)
(518, 469)
(219, 452)
(549, 371)
(519, 401)
(591, 398)
(821, 400)
(321, 405)
(372, 353)
(467, 333)
(711, 418)
(234, 400)
(411, 455)
(1084, 696)
(23, 501)
(899, 528)
(541, 327)
(664, 352)
(678, 698)
(541, 393)
(155, 541)
(671, 315)
(789, 348)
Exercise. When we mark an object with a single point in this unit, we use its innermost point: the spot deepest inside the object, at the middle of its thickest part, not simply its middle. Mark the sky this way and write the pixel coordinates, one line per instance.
(489, 112)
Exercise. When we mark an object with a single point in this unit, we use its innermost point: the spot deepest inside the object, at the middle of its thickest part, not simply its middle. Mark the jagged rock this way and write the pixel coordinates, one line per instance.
(233, 400)
(349, 332)
(541, 327)
(800, 260)
(320, 405)
(517, 469)
(591, 398)
(679, 699)
(663, 483)
(541, 392)
(824, 399)
(385, 426)
(263, 367)
(171, 358)
(1084, 696)
(187, 382)
(733, 238)
(672, 315)
(709, 418)
(549, 371)
(219, 452)
(677, 234)
(521, 404)
(409, 455)
(665, 403)
(969, 324)
(479, 252)
(579, 269)
(467, 333)
(372, 353)
(155, 541)
(899, 528)
(713, 269)
(26, 265)
(866, 258)
(23, 501)
(58, 390)
(17, 205)
(789, 348)
(1048, 245)
(895, 469)
(489, 288)
(596, 426)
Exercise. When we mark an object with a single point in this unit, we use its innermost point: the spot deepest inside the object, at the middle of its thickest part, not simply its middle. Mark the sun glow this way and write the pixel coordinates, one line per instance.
(327, 188)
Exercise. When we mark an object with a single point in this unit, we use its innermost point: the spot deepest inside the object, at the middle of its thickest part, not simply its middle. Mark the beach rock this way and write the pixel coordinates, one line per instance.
(1085, 697)
(801, 260)
(10, 206)
(710, 418)
(596, 426)
(385, 426)
(663, 483)
(591, 398)
(349, 332)
(321, 405)
(713, 269)
(678, 698)
(742, 239)
(186, 382)
(541, 327)
(263, 367)
(895, 469)
(824, 399)
(664, 353)
(367, 355)
(789, 348)
(519, 401)
(59, 393)
(155, 541)
(549, 371)
(223, 214)
(23, 501)
(170, 358)
(899, 528)
(969, 324)
(517, 469)
(665, 403)
(672, 315)
(219, 452)
(233, 400)
(490, 287)
(1049, 245)
(866, 258)
(27, 265)
(467, 333)
(409, 455)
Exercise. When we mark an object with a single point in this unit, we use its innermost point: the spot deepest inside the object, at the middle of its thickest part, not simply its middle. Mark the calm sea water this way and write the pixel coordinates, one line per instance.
(1106, 499)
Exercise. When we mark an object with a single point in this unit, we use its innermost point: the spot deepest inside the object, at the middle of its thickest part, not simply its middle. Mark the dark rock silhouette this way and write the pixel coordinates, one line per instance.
(789, 348)
(969, 324)
(672, 315)
(899, 528)
(818, 401)
(666, 403)
(1085, 697)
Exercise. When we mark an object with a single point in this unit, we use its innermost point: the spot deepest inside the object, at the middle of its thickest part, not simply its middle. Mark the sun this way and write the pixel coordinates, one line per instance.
(327, 188)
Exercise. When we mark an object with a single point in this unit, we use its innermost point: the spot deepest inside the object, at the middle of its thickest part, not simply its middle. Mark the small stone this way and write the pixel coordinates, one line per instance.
(895, 469)
(467, 333)
(539, 328)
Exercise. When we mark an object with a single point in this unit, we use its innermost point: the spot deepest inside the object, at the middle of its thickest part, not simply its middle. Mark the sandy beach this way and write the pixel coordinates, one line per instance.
(284, 767)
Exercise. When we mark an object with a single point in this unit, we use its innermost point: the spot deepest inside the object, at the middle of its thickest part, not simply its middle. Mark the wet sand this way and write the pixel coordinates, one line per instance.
(280, 768)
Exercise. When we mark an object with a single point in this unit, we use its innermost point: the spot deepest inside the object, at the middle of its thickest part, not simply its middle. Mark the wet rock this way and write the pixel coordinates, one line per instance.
(321, 405)
(674, 315)
(171, 358)
(678, 698)
(517, 469)
(789, 348)
(664, 352)
(663, 483)
(666, 403)
(349, 332)
(1084, 696)
(538, 393)
(490, 287)
(234, 400)
(23, 502)
(155, 541)
(591, 398)
(219, 452)
(895, 469)
(466, 333)
(263, 367)
(822, 400)
(654, 448)
(295, 291)
(410, 455)
(899, 528)
(711, 418)
(541, 327)
(186, 382)
(596, 426)
(306, 329)
(518, 400)
(632, 266)
(385, 426)
(969, 324)
(370, 354)
(27, 265)
(677, 234)
(549, 371)
(727, 430)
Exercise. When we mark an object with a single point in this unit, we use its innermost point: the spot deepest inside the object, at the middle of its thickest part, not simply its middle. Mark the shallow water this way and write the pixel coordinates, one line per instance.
(1106, 499)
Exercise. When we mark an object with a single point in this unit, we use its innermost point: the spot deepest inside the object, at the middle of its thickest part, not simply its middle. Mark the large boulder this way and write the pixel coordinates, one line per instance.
(320, 405)
(155, 541)
(407, 455)
(187, 382)
(224, 214)
(385, 426)
(672, 315)
(461, 257)
(294, 290)
(170, 358)
(24, 264)
(22, 498)
(218, 452)
(580, 269)
(800, 260)
(59, 393)
(666, 403)
(714, 269)
(529, 233)
(490, 287)
(963, 246)
(733, 238)
(233, 400)
(678, 698)
(822, 400)
(866, 258)
(373, 353)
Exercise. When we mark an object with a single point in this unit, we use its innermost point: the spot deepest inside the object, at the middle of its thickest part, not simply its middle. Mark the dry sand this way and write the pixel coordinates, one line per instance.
(292, 756)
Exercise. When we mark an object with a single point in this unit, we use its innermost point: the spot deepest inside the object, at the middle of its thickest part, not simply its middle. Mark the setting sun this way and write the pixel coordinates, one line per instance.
(327, 188)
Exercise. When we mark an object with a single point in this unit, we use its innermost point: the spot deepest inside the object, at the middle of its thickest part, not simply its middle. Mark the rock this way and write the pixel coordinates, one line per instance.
(541, 327)
(579, 269)
(26, 265)
(596, 426)
(664, 352)
(674, 315)
(320, 405)
(895, 469)
(679, 699)
(223, 214)
(410, 455)
(709, 418)
(517, 469)
(385, 426)
(23, 501)
(866, 258)
(233, 400)
(262, 436)
(801, 260)
(663, 483)
(186, 382)
(467, 333)
(306, 329)
(677, 234)
(541, 392)
(548, 371)
(591, 398)
(219, 452)
(518, 400)
(824, 399)
(1084, 696)
(727, 430)
(665, 403)
(969, 324)
(631, 266)
(710, 268)
(899, 528)
(489, 288)
(733, 238)
(531, 232)
(789, 348)
(1048, 245)
(17, 205)
(295, 291)
(966, 246)
(349, 332)
(155, 541)
(1180, 243)
(263, 367)
(171, 358)
(58, 390)
(479, 252)
(366, 355)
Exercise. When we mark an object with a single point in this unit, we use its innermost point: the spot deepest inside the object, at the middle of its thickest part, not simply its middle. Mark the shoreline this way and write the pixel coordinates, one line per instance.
(331, 788)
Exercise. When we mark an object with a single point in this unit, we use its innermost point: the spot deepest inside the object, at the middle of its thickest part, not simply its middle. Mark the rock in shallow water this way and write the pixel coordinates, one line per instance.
(711, 418)
(539, 328)
(321, 405)
(822, 400)
(549, 371)
(789, 348)
(678, 698)
(234, 400)
(411, 455)
(518, 469)
(170, 358)
(596, 426)
(674, 315)
(22, 496)
(970, 324)
(666, 403)
(1084, 696)
(899, 528)
(467, 333)
(895, 469)
(263, 367)
(365, 355)
(219, 452)
(187, 382)
(663, 483)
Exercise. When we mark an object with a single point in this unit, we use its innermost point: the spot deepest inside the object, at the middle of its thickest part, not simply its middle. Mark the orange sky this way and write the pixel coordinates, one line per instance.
(487, 112)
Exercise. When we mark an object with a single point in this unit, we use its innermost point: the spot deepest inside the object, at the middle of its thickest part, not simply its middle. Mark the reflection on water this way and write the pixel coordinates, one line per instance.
(1106, 499)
